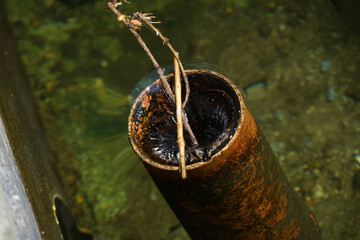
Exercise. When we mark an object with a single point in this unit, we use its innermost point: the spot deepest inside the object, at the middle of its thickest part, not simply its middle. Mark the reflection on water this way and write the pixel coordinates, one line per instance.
(305, 52)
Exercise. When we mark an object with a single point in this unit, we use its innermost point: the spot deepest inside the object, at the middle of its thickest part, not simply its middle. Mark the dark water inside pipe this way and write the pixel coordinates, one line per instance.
(212, 111)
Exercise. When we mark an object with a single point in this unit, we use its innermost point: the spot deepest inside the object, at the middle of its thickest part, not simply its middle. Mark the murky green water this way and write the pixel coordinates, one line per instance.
(298, 61)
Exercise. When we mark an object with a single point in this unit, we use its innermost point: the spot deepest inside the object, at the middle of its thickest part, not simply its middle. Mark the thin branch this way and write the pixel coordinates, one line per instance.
(165, 83)
(156, 65)
(123, 18)
(134, 25)
(147, 18)
(179, 113)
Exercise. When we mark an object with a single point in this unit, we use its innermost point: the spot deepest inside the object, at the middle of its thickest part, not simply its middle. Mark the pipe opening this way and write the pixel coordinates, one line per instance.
(213, 112)
(67, 224)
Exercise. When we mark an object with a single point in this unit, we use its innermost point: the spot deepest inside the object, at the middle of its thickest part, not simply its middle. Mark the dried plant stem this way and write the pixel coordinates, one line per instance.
(167, 87)
(112, 7)
(125, 19)
(166, 41)
(179, 114)
(166, 84)
(145, 17)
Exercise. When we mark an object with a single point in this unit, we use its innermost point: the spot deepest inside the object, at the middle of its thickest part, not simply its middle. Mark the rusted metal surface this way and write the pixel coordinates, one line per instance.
(240, 191)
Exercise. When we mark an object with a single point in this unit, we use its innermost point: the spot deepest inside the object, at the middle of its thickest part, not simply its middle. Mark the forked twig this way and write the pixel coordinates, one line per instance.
(134, 24)
(147, 18)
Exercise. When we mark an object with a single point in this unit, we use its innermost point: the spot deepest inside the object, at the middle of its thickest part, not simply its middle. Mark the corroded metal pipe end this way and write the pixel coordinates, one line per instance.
(152, 125)
(235, 187)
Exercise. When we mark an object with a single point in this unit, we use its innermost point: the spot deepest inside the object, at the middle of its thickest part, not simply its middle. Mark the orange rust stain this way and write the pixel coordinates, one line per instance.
(264, 209)
(264, 204)
(150, 103)
(314, 221)
(261, 208)
(289, 231)
(145, 101)
(282, 209)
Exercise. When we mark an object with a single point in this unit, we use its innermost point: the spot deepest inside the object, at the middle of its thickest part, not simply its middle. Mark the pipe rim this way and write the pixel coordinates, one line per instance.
(145, 158)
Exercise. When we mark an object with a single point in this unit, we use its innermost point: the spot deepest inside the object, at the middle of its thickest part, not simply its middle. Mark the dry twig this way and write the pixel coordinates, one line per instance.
(126, 20)
(147, 18)
(134, 24)
(179, 114)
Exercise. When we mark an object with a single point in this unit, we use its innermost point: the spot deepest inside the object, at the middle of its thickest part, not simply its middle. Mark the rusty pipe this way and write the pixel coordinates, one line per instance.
(235, 187)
